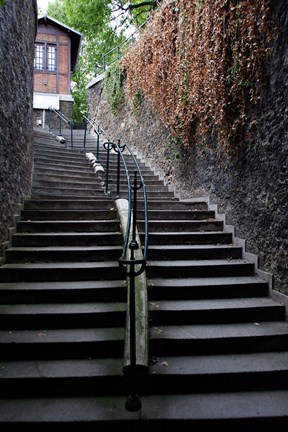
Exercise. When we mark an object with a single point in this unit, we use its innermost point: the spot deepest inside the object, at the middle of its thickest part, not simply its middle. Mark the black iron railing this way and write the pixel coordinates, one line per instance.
(62, 118)
(133, 258)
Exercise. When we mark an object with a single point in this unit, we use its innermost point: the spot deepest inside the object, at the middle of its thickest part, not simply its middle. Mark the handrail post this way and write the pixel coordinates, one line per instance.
(118, 171)
(98, 142)
(85, 133)
(71, 126)
(133, 402)
(60, 124)
(49, 120)
(108, 146)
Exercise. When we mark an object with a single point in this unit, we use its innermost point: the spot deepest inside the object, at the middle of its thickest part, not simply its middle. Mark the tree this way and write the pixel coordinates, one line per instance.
(102, 24)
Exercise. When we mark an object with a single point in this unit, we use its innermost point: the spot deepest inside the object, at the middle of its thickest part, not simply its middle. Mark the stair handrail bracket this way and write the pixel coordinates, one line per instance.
(133, 262)
(62, 118)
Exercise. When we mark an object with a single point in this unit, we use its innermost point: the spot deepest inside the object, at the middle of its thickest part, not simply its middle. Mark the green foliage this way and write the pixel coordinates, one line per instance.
(113, 87)
(137, 101)
(102, 24)
(2, 2)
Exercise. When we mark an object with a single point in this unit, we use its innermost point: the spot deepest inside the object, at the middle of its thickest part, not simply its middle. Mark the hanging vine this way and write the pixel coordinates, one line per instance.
(202, 66)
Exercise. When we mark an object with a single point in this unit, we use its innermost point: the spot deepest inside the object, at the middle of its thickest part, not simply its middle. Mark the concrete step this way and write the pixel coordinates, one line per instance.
(218, 373)
(63, 315)
(69, 191)
(101, 376)
(196, 238)
(59, 175)
(67, 239)
(53, 272)
(190, 252)
(62, 254)
(199, 268)
(99, 203)
(163, 226)
(207, 288)
(72, 183)
(60, 343)
(210, 338)
(237, 411)
(63, 292)
(211, 373)
(176, 312)
(69, 215)
(71, 226)
(161, 215)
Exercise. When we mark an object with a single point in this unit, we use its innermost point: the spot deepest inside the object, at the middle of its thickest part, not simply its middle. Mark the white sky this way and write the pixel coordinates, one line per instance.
(43, 4)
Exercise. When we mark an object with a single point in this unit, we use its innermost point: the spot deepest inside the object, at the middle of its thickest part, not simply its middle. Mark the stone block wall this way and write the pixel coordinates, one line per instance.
(17, 33)
(252, 191)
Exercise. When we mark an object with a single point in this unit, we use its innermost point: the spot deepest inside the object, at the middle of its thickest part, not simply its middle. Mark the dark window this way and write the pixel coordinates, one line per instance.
(45, 57)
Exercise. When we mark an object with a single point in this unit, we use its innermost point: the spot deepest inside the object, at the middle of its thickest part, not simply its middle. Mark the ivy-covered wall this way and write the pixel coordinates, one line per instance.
(17, 33)
(250, 185)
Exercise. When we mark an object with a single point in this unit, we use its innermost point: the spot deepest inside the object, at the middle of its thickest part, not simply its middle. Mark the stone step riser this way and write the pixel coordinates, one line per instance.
(44, 256)
(60, 204)
(243, 344)
(65, 350)
(223, 316)
(88, 192)
(113, 253)
(46, 215)
(188, 239)
(90, 176)
(59, 274)
(62, 321)
(100, 239)
(68, 226)
(65, 387)
(199, 292)
(181, 226)
(95, 183)
(188, 271)
(67, 215)
(197, 254)
(152, 384)
(106, 203)
(65, 292)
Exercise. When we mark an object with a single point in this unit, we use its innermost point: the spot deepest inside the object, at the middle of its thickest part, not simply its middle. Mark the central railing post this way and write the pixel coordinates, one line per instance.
(133, 402)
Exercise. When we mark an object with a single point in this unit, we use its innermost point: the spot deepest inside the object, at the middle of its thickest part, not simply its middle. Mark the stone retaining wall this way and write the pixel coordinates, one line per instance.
(251, 191)
(17, 33)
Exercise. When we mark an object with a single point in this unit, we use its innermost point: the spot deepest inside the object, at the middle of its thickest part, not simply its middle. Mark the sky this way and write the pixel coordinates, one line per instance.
(43, 4)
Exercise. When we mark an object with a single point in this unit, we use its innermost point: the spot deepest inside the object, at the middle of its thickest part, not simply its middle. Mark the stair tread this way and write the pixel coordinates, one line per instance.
(220, 364)
(73, 368)
(64, 248)
(195, 305)
(208, 281)
(48, 286)
(74, 335)
(179, 263)
(219, 331)
(62, 308)
(204, 408)
(63, 265)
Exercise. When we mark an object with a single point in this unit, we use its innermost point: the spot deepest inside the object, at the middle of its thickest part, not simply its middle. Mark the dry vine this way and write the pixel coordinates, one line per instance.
(201, 63)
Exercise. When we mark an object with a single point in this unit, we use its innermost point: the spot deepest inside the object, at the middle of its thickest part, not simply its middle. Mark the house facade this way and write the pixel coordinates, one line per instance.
(55, 59)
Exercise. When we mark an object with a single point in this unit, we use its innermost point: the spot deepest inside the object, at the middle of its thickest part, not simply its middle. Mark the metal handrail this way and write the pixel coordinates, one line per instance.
(133, 265)
(62, 117)
(105, 63)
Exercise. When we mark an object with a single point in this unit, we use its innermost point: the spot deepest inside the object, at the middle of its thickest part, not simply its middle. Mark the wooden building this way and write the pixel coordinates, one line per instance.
(56, 54)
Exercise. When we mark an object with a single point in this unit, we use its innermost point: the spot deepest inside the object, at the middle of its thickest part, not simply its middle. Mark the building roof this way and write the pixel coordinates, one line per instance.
(74, 35)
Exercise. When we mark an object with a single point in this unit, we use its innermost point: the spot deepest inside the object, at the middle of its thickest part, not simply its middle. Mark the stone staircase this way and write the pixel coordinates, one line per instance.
(218, 343)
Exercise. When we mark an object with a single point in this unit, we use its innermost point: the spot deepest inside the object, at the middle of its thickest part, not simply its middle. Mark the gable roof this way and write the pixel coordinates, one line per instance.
(74, 35)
